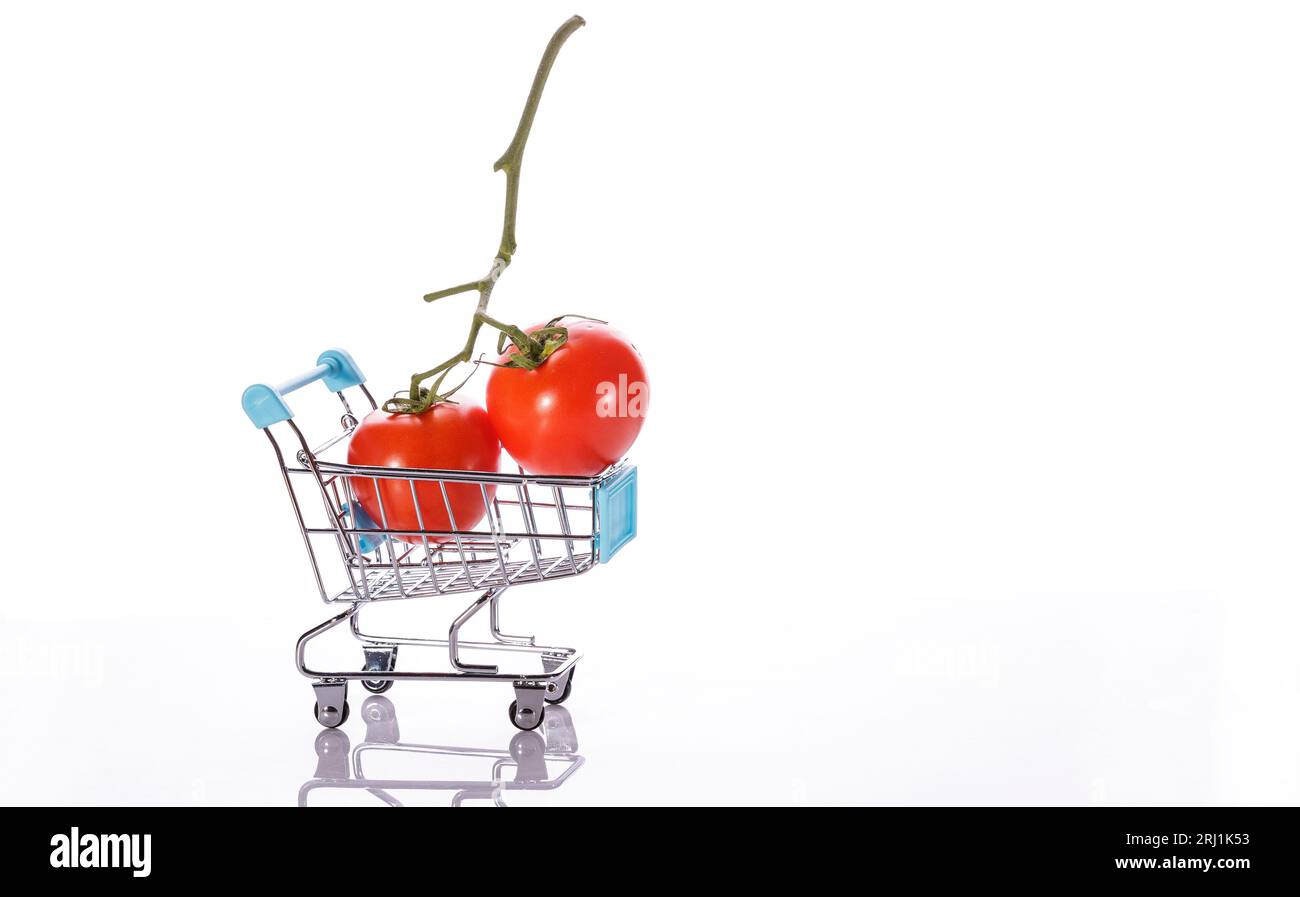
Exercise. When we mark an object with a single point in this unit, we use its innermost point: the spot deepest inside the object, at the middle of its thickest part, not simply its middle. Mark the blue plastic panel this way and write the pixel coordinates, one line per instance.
(265, 405)
(362, 520)
(616, 508)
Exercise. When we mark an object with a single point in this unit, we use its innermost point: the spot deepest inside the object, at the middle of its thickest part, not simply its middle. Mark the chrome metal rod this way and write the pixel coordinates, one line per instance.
(315, 631)
(455, 476)
(453, 635)
(464, 645)
(361, 587)
(482, 674)
(494, 615)
(428, 552)
(297, 513)
(392, 548)
(485, 538)
(460, 543)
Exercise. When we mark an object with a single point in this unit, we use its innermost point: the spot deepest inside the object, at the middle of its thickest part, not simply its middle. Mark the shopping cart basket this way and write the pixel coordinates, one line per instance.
(535, 529)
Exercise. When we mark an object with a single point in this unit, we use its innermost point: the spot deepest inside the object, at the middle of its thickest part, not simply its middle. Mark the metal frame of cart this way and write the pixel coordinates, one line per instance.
(534, 529)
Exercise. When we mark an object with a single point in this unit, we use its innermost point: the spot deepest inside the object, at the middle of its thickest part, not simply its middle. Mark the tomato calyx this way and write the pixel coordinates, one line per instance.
(532, 351)
(421, 398)
(540, 343)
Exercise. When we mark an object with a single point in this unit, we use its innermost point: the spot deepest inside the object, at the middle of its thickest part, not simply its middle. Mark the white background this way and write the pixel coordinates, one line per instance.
(970, 473)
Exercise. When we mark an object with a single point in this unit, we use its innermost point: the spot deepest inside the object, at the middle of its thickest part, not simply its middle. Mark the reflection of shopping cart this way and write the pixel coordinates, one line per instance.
(530, 763)
(534, 529)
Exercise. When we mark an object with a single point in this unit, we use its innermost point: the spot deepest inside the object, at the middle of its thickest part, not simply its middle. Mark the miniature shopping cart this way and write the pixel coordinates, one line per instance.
(534, 529)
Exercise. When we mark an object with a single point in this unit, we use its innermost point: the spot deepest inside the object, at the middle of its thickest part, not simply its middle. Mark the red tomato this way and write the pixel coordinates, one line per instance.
(448, 437)
(579, 411)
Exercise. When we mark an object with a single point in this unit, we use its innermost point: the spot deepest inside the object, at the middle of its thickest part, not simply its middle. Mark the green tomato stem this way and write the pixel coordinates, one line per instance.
(533, 350)
(513, 157)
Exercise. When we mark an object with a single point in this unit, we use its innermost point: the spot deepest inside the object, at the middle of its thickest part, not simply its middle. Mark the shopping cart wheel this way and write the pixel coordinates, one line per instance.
(330, 717)
(331, 705)
(526, 718)
(379, 660)
(566, 691)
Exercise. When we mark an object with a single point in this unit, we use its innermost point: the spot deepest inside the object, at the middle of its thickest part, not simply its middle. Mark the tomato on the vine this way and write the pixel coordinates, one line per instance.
(448, 436)
(579, 411)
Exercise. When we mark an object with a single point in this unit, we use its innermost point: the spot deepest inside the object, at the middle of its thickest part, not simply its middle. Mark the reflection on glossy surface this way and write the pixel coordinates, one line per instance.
(531, 761)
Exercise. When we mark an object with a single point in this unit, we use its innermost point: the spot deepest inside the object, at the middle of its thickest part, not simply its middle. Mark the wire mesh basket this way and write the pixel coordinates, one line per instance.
(395, 535)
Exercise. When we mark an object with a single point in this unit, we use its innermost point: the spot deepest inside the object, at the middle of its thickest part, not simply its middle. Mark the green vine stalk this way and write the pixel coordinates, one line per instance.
(533, 348)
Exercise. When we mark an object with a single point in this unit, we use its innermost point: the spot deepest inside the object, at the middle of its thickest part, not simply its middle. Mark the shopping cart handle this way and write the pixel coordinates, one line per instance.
(265, 405)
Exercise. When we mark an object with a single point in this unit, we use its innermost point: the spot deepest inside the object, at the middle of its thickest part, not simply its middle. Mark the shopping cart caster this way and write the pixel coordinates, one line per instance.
(379, 660)
(331, 706)
(552, 662)
(526, 718)
(563, 693)
(330, 717)
(528, 709)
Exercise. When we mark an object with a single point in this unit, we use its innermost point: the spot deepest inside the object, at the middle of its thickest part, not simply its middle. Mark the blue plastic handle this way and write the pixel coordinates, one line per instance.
(265, 405)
